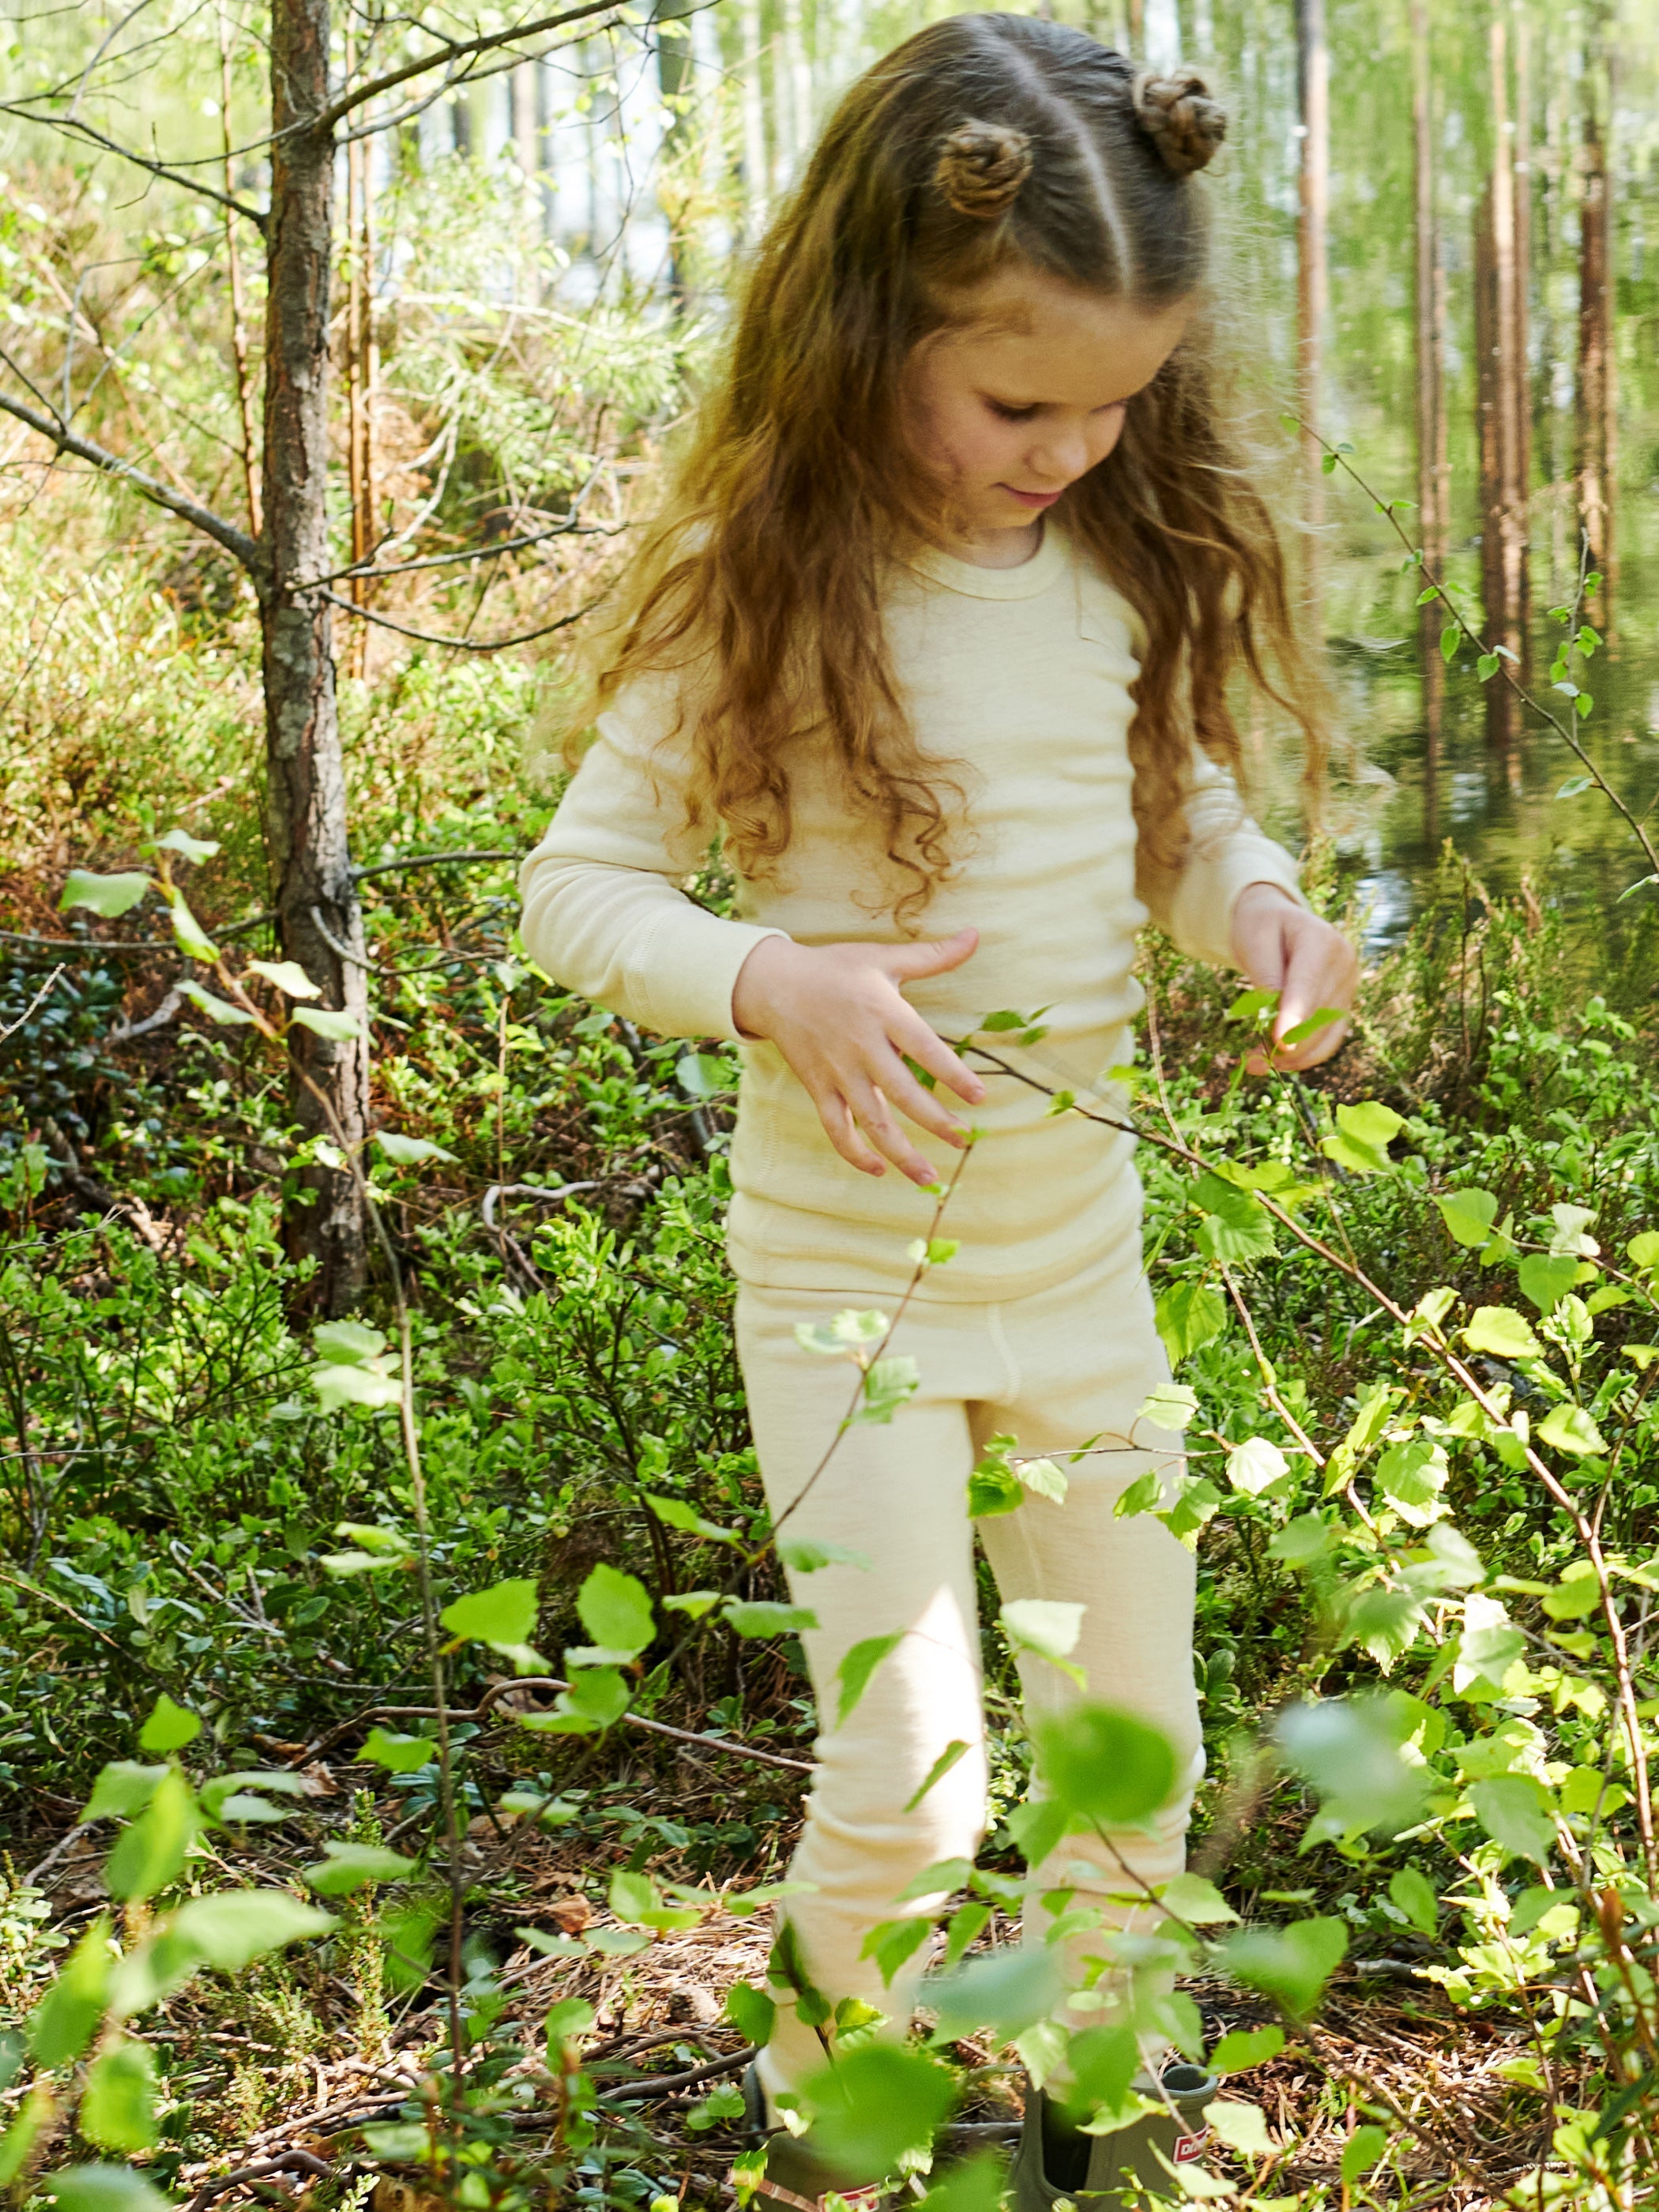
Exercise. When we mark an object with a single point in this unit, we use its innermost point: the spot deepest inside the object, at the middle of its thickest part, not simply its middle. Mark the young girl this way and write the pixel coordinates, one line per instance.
(938, 637)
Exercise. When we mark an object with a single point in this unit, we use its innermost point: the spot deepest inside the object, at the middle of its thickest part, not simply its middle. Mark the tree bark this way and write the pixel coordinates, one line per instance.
(1597, 437)
(319, 918)
(1430, 410)
(1502, 527)
(1521, 328)
(1313, 272)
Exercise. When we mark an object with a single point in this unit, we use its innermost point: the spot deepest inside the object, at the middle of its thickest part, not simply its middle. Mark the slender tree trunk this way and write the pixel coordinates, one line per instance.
(360, 378)
(1597, 437)
(1431, 396)
(1503, 527)
(247, 438)
(1521, 330)
(1313, 275)
(677, 186)
(319, 918)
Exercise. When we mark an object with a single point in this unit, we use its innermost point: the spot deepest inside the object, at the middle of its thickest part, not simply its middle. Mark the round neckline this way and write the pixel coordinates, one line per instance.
(1031, 578)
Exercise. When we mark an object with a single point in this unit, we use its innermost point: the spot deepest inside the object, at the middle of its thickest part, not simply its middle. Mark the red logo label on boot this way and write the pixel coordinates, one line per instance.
(1190, 2146)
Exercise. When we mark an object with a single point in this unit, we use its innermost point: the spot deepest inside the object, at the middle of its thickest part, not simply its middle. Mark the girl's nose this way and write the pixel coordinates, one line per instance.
(1063, 456)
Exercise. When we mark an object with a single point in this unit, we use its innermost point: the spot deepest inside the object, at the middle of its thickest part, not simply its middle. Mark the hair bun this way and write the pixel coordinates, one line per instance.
(981, 167)
(1180, 118)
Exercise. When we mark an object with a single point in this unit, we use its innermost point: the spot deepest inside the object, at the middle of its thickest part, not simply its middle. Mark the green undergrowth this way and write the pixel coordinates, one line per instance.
(1418, 1729)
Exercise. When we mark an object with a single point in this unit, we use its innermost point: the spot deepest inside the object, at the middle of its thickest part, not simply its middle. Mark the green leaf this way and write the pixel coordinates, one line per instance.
(954, 1751)
(767, 1617)
(1189, 1315)
(809, 1555)
(1513, 1809)
(1242, 2128)
(1570, 1429)
(994, 1488)
(1469, 1216)
(890, 1942)
(853, 1674)
(17, 2144)
(353, 1866)
(1413, 1893)
(288, 975)
(966, 1925)
(222, 1011)
(101, 2189)
(567, 2020)
(109, 896)
(1573, 786)
(1411, 1475)
(398, 1754)
(150, 1855)
(189, 935)
(232, 1927)
(876, 2102)
(675, 1513)
(1364, 1135)
(169, 1727)
(1583, 706)
(1487, 666)
(67, 2017)
(1007, 1990)
(1256, 1466)
(1321, 1019)
(1289, 1964)
(1194, 1900)
(123, 1788)
(752, 2012)
(409, 1151)
(1048, 1626)
(504, 1616)
(327, 1022)
(849, 1331)
(1644, 1250)
(1245, 2047)
(1363, 2149)
(117, 2106)
(1171, 1406)
(616, 1610)
(888, 1384)
(702, 1076)
(1103, 2062)
(1349, 1749)
(1576, 1594)
(1503, 1332)
(1105, 1765)
(1234, 1228)
(1450, 638)
(1547, 1277)
(196, 850)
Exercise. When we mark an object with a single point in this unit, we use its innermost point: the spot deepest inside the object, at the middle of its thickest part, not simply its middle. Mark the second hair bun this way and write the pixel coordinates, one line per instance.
(981, 167)
(1180, 119)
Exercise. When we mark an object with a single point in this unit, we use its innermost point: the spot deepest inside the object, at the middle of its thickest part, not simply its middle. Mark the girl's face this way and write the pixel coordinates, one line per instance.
(1026, 396)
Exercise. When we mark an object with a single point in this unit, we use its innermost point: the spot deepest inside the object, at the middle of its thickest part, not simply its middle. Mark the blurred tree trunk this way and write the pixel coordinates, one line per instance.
(1597, 430)
(755, 179)
(1503, 544)
(674, 81)
(1430, 304)
(319, 918)
(1313, 277)
(359, 376)
(1521, 337)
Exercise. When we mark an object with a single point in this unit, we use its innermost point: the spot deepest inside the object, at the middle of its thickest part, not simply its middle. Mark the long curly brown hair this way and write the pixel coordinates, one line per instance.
(981, 142)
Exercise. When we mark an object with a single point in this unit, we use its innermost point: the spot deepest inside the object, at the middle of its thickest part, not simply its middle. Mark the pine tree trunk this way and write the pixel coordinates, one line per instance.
(1431, 343)
(1521, 329)
(1489, 324)
(1597, 392)
(319, 921)
(1503, 524)
(1313, 277)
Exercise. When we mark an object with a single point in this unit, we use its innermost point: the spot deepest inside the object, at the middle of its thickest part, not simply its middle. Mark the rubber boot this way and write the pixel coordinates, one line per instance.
(1123, 2168)
(796, 2174)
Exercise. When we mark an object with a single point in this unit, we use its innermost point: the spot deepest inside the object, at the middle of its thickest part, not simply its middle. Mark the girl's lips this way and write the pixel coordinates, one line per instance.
(1036, 500)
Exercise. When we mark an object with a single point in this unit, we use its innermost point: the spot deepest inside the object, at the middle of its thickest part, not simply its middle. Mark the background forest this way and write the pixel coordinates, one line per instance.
(403, 1722)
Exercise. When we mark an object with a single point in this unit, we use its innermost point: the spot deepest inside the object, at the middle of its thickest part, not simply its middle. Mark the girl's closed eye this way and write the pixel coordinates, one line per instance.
(1009, 411)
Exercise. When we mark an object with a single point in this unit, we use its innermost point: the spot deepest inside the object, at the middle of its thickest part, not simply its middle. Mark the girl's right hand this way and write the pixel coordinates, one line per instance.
(835, 1013)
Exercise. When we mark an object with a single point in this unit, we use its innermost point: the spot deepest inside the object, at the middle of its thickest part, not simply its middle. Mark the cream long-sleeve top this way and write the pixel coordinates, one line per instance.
(1021, 678)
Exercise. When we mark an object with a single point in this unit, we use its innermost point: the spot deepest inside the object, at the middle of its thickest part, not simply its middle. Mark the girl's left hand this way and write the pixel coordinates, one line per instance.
(1281, 947)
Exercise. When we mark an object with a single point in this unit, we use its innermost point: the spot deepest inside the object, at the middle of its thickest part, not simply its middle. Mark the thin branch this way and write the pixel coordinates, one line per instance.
(453, 51)
(248, 551)
(453, 644)
(256, 217)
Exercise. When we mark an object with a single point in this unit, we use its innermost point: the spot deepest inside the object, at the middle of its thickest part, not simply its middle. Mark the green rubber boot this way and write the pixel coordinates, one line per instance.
(796, 2174)
(1123, 2169)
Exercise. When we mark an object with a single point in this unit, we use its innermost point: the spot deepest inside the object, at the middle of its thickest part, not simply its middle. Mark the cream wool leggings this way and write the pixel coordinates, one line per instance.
(1055, 1369)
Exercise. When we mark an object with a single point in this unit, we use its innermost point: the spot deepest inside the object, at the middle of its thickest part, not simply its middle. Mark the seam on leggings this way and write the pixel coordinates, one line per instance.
(998, 1336)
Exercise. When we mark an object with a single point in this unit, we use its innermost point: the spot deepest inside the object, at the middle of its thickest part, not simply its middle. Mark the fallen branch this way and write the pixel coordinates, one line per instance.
(287, 2161)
